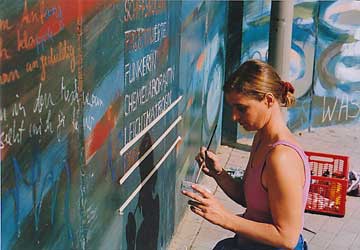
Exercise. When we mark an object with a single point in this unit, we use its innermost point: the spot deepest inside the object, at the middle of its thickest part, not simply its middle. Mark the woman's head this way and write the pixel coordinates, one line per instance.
(253, 91)
(255, 78)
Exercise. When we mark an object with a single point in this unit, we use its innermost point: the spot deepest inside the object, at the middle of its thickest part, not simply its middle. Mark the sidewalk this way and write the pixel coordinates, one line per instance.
(332, 233)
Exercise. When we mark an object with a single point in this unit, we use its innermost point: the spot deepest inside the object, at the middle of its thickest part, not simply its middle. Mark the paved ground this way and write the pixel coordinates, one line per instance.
(331, 233)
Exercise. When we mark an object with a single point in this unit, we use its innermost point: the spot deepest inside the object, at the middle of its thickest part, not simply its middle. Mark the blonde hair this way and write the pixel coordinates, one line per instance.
(256, 78)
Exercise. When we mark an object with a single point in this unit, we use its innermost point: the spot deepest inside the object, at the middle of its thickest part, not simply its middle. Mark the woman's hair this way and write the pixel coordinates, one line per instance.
(256, 78)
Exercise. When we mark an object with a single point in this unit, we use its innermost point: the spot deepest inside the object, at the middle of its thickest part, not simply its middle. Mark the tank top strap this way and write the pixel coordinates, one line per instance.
(293, 146)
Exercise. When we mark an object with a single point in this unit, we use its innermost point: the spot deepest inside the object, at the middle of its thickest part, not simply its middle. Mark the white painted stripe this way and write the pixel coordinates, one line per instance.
(137, 163)
(138, 136)
(142, 184)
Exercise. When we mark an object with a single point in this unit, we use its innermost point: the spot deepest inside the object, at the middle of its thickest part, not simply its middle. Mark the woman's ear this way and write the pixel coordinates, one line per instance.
(269, 99)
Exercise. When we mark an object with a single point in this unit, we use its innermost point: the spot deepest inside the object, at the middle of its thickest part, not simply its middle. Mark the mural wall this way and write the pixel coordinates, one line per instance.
(104, 105)
(337, 79)
(324, 59)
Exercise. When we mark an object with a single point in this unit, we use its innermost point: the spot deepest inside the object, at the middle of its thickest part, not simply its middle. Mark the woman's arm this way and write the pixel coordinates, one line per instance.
(232, 188)
(284, 179)
(211, 166)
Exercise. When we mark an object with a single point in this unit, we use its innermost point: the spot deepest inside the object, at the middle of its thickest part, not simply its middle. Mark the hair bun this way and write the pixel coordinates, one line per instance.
(288, 87)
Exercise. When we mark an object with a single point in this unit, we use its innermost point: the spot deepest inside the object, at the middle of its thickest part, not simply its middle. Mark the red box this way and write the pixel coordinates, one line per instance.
(329, 182)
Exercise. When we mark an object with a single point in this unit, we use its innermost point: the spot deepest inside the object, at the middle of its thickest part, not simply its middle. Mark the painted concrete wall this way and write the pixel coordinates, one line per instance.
(103, 107)
(325, 58)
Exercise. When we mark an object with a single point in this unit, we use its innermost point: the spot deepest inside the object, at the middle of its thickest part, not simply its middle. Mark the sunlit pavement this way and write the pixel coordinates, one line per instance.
(331, 233)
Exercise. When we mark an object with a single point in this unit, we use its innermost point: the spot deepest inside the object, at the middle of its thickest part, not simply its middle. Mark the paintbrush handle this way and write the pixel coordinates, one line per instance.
(199, 172)
(207, 148)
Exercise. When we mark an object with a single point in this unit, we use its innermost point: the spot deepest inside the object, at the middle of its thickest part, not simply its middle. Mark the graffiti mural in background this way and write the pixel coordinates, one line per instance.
(255, 46)
(150, 117)
(256, 22)
(329, 45)
(200, 81)
(302, 62)
(40, 124)
(214, 71)
(192, 63)
(337, 82)
(103, 107)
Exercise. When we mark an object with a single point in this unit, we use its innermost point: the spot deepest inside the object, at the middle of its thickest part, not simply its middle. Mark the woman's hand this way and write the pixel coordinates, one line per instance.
(209, 162)
(207, 206)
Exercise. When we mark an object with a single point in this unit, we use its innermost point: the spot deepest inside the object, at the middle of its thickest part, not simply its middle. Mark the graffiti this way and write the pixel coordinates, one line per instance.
(140, 68)
(18, 108)
(72, 96)
(336, 84)
(30, 66)
(140, 123)
(342, 109)
(143, 37)
(324, 58)
(34, 16)
(142, 9)
(41, 40)
(147, 80)
(146, 93)
(64, 51)
(53, 11)
(79, 41)
(85, 89)
(5, 25)
(42, 101)
(25, 41)
(48, 121)
(9, 77)
(4, 54)
(3, 114)
(12, 135)
(60, 125)
(29, 192)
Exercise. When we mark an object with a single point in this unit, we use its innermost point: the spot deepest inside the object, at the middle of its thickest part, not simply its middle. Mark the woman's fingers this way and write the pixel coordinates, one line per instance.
(211, 155)
(208, 161)
(195, 204)
(194, 196)
(201, 190)
(206, 170)
(198, 158)
(202, 152)
(197, 211)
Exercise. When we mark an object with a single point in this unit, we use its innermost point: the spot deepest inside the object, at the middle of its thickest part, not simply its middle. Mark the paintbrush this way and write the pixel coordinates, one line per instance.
(207, 148)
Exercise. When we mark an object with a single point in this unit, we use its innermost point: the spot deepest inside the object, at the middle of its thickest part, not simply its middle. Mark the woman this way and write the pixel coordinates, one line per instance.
(277, 178)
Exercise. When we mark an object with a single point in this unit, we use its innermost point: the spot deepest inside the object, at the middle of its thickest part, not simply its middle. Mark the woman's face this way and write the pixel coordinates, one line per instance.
(247, 111)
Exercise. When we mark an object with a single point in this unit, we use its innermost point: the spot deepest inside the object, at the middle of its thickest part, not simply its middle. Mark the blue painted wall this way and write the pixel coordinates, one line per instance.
(324, 60)
(104, 105)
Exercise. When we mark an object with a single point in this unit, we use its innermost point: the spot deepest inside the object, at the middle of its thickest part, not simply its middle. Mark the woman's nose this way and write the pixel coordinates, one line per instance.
(235, 114)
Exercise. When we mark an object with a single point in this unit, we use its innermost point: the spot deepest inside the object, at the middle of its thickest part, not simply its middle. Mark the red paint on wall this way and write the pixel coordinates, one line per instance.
(102, 129)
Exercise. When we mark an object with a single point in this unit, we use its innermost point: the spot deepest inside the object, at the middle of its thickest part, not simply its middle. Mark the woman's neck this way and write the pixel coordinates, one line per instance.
(275, 127)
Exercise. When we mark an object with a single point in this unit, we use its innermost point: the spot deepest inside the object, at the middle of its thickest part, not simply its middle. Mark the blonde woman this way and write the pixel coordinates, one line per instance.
(276, 182)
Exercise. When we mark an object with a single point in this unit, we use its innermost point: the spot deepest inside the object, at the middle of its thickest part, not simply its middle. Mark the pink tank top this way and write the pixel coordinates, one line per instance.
(256, 196)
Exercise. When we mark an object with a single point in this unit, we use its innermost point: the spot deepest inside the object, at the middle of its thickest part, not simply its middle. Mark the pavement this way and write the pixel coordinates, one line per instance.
(328, 232)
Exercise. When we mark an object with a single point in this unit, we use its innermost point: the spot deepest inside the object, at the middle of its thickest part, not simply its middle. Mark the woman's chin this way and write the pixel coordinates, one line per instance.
(245, 126)
(248, 127)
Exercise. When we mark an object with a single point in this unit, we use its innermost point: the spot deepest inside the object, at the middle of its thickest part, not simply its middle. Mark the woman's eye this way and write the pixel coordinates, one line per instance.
(241, 109)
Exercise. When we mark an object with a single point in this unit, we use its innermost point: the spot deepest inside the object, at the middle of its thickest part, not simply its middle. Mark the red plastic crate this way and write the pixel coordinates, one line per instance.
(329, 181)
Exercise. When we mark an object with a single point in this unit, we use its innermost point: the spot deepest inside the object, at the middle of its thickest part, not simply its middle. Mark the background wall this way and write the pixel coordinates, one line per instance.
(324, 58)
(103, 107)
